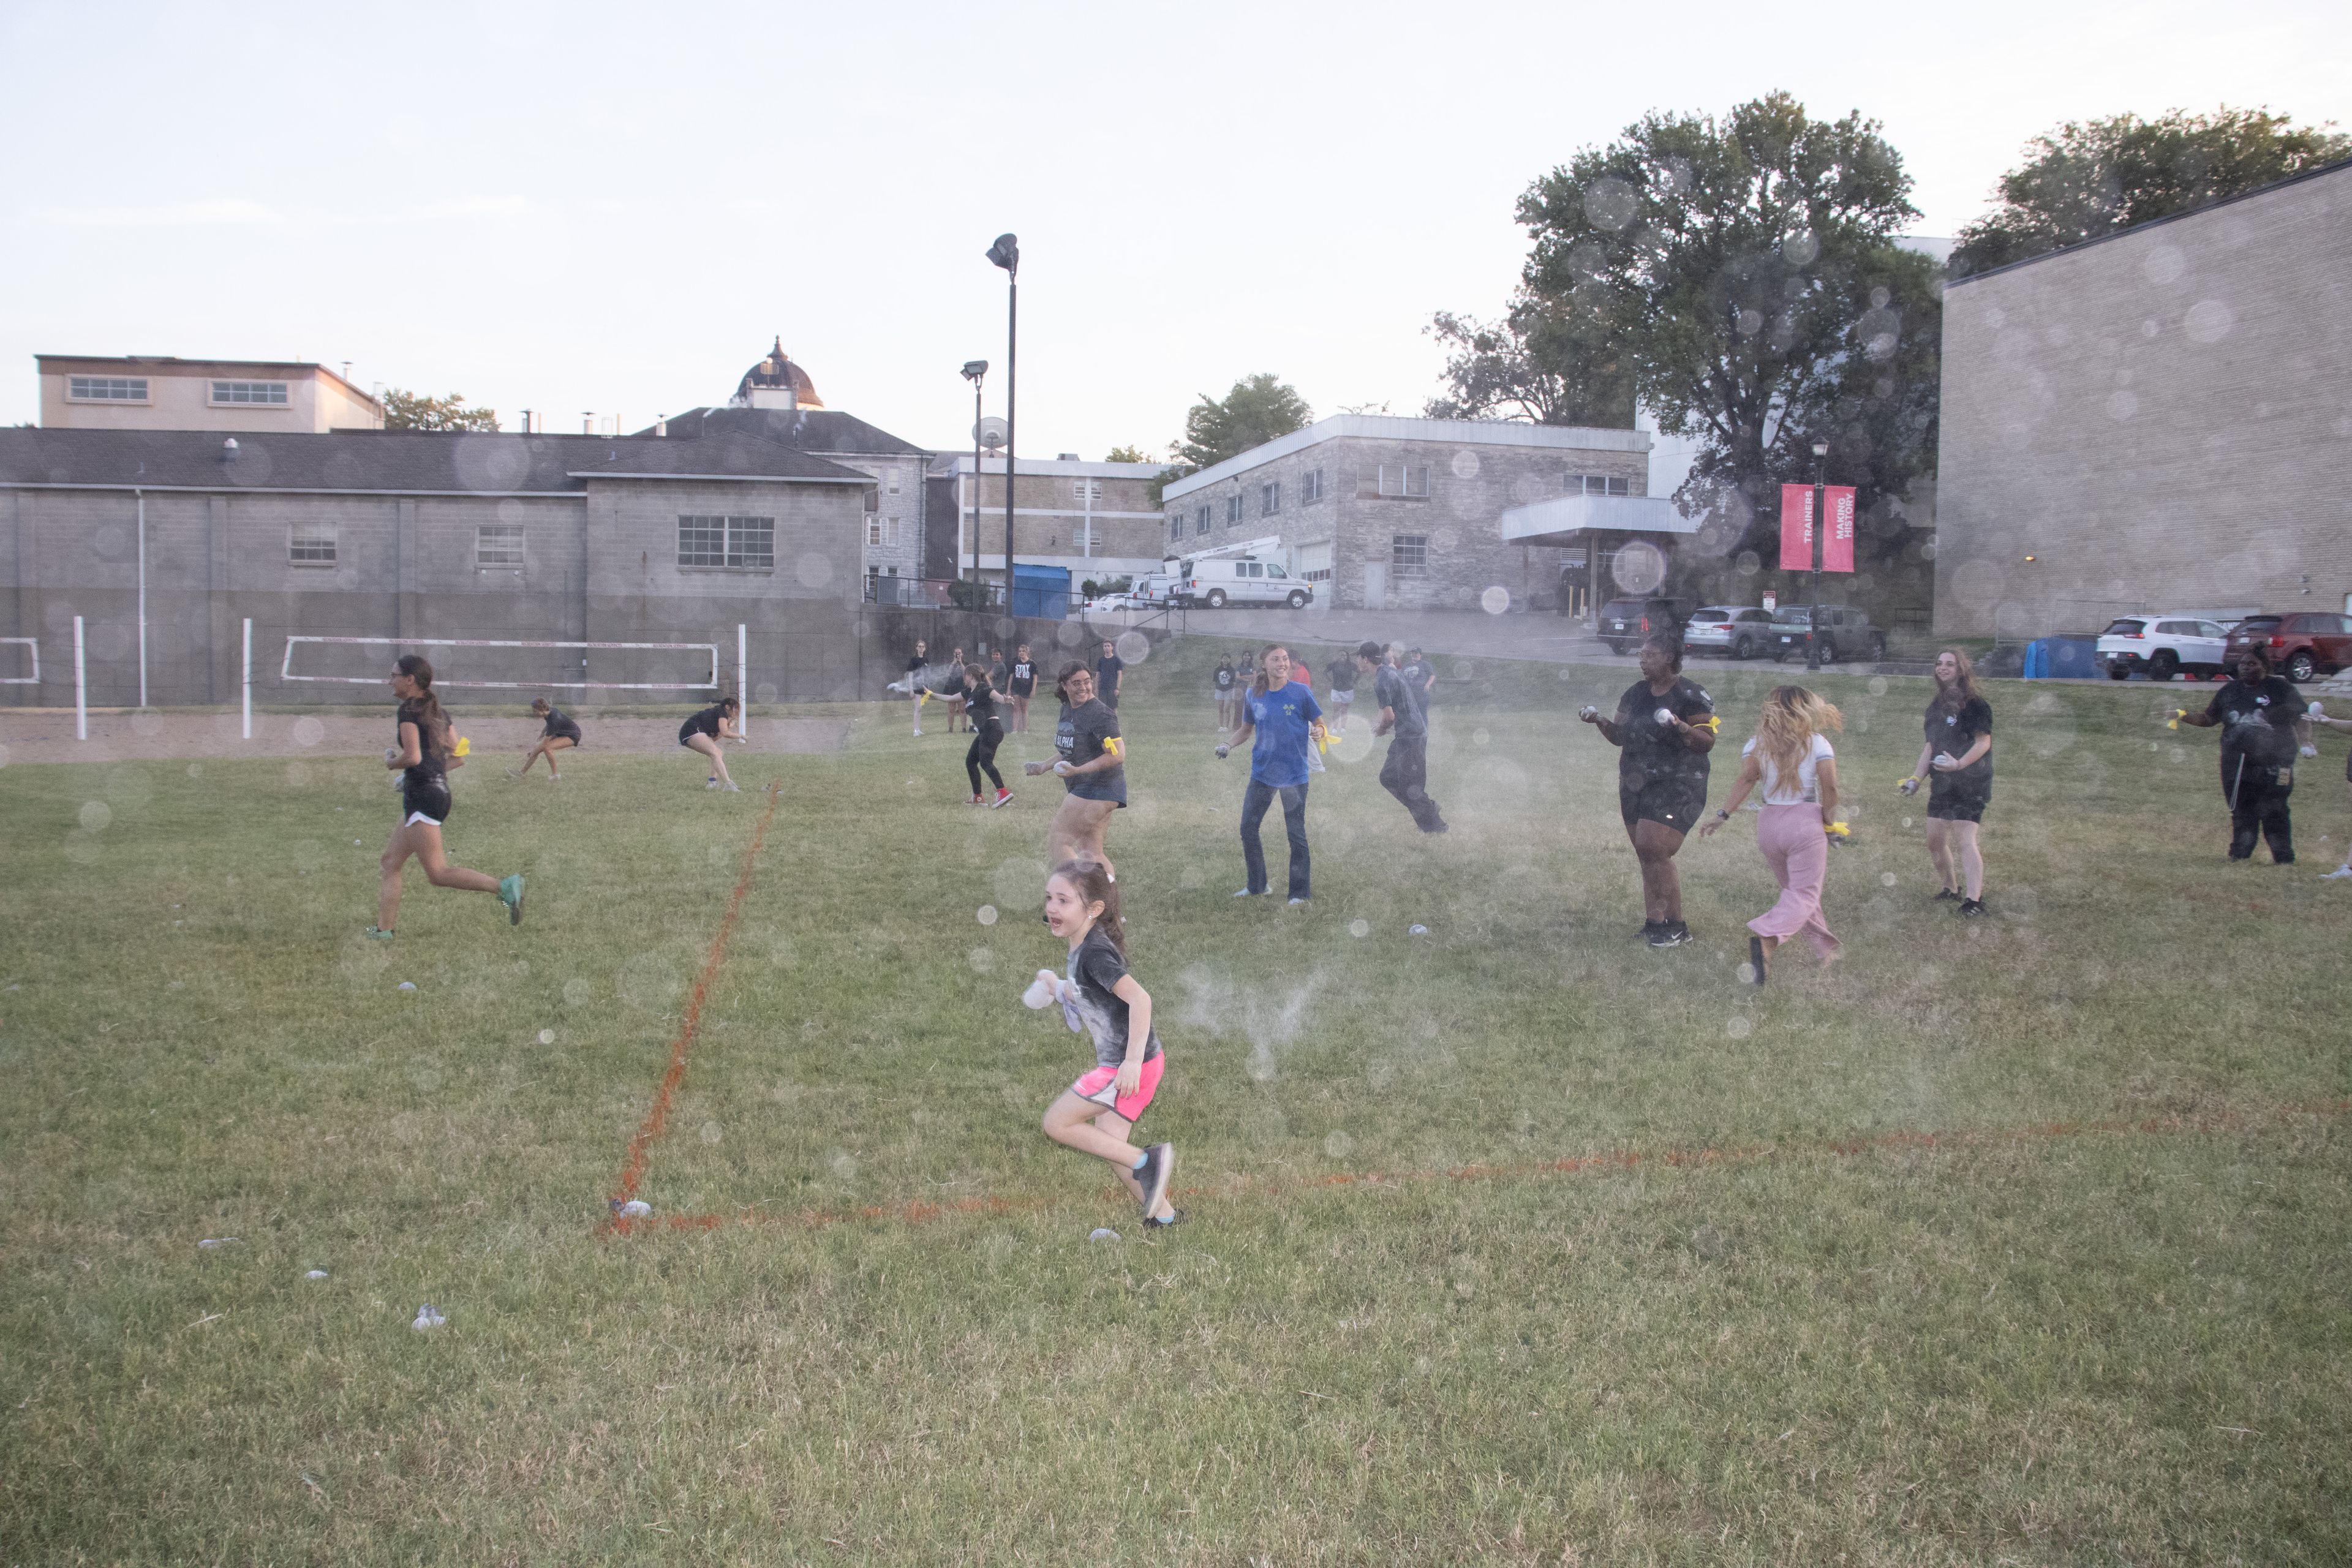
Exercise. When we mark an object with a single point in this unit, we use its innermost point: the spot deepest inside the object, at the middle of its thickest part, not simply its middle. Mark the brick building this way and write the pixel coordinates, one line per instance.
(146, 392)
(2160, 418)
(1098, 519)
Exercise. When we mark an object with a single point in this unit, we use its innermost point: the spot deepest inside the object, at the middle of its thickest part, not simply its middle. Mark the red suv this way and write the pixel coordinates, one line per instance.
(2300, 645)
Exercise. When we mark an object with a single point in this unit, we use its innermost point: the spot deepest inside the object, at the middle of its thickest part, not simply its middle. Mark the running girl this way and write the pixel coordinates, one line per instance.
(1664, 730)
(1091, 762)
(1956, 761)
(1022, 687)
(558, 732)
(422, 757)
(1790, 756)
(987, 734)
(1286, 723)
(1101, 999)
(703, 733)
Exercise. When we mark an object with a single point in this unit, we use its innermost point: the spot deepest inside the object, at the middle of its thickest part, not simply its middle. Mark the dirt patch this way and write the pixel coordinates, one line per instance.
(47, 735)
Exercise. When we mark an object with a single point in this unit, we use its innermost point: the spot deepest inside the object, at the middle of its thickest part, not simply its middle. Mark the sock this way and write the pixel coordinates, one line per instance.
(1142, 1158)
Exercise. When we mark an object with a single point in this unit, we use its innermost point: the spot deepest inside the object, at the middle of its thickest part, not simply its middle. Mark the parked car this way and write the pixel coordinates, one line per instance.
(1111, 601)
(1220, 580)
(1735, 631)
(2300, 645)
(1846, 633)
(2161, 645)
(1623, 622)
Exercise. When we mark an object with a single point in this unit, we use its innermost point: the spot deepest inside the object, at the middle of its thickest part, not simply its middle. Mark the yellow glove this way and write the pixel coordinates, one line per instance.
(2177, 715)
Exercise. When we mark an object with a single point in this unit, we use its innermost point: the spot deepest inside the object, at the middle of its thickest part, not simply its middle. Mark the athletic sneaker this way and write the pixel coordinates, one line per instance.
(1159, 1165)
(1175, 1217)
(1003, 797)
(973, 801)
(1649, 929)
(511, 895)
(731, 787)
(2340, 872)
(1670, 933)
(376, 934)
(514, 773)
(1296, 902)
(1251, 893)
(1973, 908)
(1948, 897)
(711, 782)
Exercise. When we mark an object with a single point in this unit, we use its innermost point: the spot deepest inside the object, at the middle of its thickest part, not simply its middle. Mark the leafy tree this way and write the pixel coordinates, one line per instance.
(416, 411)
(1535, 365)
(2096, 177)
(1256, 411)
(1746, 272)
(1126, 455)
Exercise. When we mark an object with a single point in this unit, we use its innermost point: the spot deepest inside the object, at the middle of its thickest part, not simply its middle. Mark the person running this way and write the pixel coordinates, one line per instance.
(2317, 715)
(916, 692)
(703, 732)
(1091, 763)
(1286, 723)
(2263, 728)
(987, 734)
(1790, 756)
(421, 758)
(955, 692)
(1107, 673)
(1222, 683)
(1101, 999)
(1022, 686)
(558, 732)
(1341, 671)
(1663, 729)
(1956, 763)
(1405, 774)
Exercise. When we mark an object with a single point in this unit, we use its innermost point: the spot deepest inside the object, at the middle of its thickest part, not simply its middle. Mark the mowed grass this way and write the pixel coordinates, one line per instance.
(1512, 1242)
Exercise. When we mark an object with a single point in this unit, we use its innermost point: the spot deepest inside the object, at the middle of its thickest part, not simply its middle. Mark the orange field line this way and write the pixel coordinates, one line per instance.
(921, 1212)
(633, 1169)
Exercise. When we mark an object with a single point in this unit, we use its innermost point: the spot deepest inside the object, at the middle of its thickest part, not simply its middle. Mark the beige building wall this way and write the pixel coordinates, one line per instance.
(180, 396)
(2159, 420)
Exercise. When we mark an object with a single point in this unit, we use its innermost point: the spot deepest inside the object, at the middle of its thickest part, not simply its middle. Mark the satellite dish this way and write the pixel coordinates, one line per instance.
(991, 432)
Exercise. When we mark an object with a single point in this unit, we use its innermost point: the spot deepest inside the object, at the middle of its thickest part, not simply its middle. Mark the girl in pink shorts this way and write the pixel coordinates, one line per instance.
(1100, 999)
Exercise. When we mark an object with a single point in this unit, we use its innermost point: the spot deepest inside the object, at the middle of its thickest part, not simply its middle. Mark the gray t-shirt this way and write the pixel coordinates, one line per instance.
(1096, 967)
(1394, 693)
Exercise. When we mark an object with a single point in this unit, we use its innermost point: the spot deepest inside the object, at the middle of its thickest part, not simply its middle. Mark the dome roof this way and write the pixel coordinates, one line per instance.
(776, 383)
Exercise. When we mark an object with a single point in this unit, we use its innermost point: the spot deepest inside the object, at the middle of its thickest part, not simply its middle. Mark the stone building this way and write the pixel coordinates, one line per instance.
(81, 392)
(1098, 519)
(2160, 418)
(1390, 513)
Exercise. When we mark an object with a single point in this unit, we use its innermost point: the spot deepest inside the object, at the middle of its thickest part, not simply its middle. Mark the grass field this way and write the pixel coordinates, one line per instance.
(2017, 1241)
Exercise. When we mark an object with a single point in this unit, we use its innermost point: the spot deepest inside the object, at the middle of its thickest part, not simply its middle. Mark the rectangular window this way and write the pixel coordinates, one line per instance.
(1200, 521)
(1406, 479)
(252, 393)
(1596, 485)
(106, 388)
(882, 530)
(1409, 554)
(310, 544)
(1269, 499)
(1233, 511)
(498, 544)
(743, 543)
(1175, 525)
(1310, 486)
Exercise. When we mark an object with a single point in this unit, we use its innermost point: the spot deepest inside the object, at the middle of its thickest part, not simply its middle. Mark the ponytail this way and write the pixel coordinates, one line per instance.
(432, 729)
(1092, 885)
(1257, 681)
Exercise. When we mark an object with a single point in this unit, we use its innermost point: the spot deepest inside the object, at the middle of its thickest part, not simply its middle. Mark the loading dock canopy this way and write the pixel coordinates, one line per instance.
(1563, 519)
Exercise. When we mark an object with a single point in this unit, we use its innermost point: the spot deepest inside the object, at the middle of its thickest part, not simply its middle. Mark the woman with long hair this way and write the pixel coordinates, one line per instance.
(1956, 763)
(987, 734)
(558, 732)
(1663, 728)
(1790, 756)
(703, 732)
(1090, 759)
(1283, 720)
(422, 757)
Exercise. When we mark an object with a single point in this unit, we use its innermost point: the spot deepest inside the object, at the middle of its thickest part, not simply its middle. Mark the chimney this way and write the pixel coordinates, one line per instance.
(228, 450)
(661, 424)
(587, 423)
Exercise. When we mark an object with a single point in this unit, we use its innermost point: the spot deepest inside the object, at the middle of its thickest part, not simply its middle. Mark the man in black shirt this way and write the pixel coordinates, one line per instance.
(1106, 675)
(2263, 727)
(1405, 774)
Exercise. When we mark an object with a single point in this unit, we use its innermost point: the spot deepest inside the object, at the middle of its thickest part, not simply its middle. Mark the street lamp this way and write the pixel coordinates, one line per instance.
(973, 370)
(1821, 522)
(1006, 253)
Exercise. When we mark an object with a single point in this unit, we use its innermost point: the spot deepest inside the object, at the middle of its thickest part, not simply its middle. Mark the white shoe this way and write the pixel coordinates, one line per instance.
(731, 787)
(710, 784)
(2337, 873)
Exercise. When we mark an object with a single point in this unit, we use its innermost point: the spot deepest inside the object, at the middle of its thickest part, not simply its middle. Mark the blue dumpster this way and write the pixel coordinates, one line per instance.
(1041, 593)
(2062, 658)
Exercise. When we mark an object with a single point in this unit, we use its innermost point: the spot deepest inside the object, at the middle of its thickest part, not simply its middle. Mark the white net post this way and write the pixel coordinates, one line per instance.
(742, 691)
(81, 688)
(249, 678)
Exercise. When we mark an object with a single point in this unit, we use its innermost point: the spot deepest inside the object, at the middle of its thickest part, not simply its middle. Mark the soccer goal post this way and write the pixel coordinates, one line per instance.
(473, 662)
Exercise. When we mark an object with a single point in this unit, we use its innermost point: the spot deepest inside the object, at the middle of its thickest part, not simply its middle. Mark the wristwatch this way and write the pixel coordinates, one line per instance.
(1723, 813)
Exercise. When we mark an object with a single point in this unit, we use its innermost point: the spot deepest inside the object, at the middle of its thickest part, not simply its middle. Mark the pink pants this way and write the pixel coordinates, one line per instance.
(1798, 853)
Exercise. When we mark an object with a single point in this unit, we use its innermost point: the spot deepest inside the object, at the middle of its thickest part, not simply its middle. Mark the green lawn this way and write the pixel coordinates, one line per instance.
(1655, 1269)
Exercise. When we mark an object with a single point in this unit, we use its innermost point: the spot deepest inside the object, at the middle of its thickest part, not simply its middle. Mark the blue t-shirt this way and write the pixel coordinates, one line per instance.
(1282, 717)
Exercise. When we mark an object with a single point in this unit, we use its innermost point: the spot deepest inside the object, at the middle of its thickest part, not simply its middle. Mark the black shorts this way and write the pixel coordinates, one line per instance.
(429, 798)
(1671, 803)
(686, 737)
(571, 735)
(1958, 803)
(1093, 786)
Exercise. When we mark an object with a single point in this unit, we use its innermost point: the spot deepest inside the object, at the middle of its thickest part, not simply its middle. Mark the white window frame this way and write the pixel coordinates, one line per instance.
(133, 389)
(1201, 522)
(1409, 554)
(1597, 485)
(1232, 509)
(242, 395)
(1270, 498)
(305, 540)
(740, 541)
(498, 547)
(1404, 481)
(1310, 486)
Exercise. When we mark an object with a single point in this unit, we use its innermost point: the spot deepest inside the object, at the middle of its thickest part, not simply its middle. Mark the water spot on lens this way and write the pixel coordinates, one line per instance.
(712, 1132)
(575, 993)
(983, 960)
(1359, 927)
(1338, 1144)
(988, 914)
(1133, 647)
(1495, 600)
(547, 1036)
(308, 732)
(95, 815)
(1736, 1028)
(1886, 879)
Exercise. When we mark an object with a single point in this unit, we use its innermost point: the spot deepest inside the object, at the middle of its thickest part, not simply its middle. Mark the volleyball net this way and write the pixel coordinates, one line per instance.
(486, 663)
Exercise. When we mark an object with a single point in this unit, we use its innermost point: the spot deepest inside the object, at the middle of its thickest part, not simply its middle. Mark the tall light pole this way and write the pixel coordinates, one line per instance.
(1820, 523)
(973, 370)
(1006, 253)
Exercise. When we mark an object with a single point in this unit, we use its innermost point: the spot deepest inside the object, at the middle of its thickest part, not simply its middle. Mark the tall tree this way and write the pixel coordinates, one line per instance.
(1126, 455)
(1746, 270)
(1535, 365)
(405, 410)
(1258, 408)
(2095, 177)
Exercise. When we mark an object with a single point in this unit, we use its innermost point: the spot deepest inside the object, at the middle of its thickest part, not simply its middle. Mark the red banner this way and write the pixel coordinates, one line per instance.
(1797, 528)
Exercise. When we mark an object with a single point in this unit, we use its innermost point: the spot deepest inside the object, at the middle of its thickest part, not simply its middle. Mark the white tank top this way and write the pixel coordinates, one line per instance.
(1805, 789)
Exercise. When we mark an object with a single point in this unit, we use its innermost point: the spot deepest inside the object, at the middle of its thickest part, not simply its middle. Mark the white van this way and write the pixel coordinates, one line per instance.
(1153, 589)
(1220, 580)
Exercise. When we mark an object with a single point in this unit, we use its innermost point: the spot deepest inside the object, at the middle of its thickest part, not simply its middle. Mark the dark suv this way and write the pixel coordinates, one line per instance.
(1623, 622)
(1846, 633)
(2300, 645)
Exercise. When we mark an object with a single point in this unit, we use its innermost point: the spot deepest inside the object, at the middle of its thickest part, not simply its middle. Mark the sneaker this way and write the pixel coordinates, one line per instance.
(1249, 894)
(1175, 1217)
(1973, 908)
(1296, 902)
(1439, 827)
(1003, 797)
(1948, 897)
(1159, 1165)
(1756, 956)
(731, 787)
(2337, 875)
(1670, 933)
(376, 934)
(514, 773)
(919, 734)
(710, 784)
(511, 895)
(1649, 929)
(973, 801)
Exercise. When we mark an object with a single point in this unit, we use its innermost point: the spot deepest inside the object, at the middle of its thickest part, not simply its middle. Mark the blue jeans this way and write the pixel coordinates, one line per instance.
(1294, 825)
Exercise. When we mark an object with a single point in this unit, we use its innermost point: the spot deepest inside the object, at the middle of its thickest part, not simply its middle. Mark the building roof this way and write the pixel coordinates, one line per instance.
(777, 372)
(172, 365)
(403, 462)
(1383, 427)
(1044, 467)
(821, 430)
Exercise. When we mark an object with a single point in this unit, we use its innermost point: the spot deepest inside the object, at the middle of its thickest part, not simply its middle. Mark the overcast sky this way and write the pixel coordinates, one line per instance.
(584, 208)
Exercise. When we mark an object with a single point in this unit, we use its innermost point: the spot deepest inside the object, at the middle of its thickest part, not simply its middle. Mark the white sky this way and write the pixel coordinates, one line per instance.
(614, 208)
